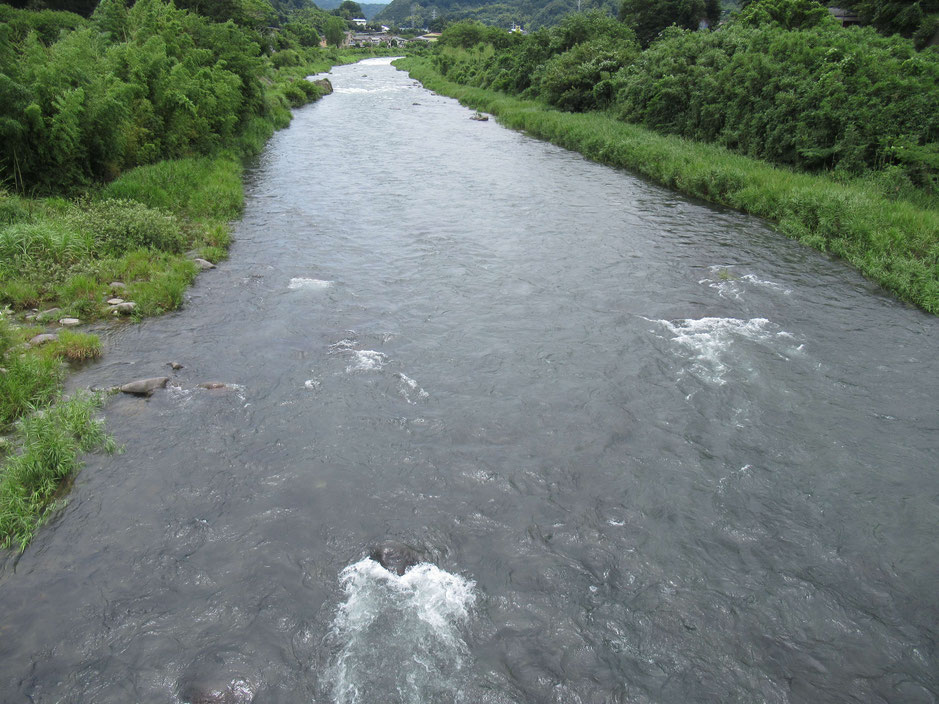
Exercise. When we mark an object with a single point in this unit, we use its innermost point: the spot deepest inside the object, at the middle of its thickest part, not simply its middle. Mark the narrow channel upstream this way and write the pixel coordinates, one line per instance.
(648, 450)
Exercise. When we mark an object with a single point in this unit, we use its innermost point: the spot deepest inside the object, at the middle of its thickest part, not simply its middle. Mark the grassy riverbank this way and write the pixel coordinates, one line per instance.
(139, 239)
(893, 242)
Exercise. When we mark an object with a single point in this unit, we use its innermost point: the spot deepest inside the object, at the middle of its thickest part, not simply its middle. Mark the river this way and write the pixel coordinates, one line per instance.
(647, 450)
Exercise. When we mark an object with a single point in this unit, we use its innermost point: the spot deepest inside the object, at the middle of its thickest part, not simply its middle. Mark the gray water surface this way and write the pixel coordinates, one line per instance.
(650, 450)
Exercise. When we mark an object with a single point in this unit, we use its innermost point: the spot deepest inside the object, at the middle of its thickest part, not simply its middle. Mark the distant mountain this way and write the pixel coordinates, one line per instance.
(530, 14)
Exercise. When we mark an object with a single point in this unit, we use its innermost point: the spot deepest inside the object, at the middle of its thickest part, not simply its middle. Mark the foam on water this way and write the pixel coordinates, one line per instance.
(711, 340)
(367, 361)
(400, 639)
(410, 390)
(301, 282)
(730, 286)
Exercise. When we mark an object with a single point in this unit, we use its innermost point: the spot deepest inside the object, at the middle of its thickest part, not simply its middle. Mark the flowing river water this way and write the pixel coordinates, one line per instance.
(646, 450)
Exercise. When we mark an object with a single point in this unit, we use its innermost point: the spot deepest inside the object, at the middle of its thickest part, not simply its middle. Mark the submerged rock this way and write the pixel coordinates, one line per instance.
(238, 691)
(213, 385)
(395, 557)
(175, 365)
(145, 387)
(479, 117)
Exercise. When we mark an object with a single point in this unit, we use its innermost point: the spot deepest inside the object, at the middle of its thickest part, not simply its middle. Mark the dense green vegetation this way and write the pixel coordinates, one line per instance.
(122, 136)
(831, 132)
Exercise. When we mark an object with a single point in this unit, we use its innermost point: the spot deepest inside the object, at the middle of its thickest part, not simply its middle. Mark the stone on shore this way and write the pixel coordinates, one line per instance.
(324, 85)
(70, 322)
(124, 307)
(115, 301)
(204, 263)
(117, 286)
(42, 339)
(145, 387)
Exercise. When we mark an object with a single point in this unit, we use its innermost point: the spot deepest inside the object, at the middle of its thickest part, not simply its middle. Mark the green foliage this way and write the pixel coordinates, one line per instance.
(907, 18)
(197, 189)
(816, 98)
(117, 226)
(48, 444)
(557, 64)
(786, 14)
(649, 17)
(580, 78)
(334, 31)
(75, 346)
(141, 84)
(532, 14)
(29, 382)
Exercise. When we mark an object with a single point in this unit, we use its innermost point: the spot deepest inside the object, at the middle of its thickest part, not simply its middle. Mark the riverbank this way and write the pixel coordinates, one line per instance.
(122, 252)
(892, 242)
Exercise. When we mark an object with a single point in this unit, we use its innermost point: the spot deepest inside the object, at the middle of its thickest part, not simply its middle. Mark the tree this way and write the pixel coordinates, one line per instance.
(649, 17)
(335, 31)
(349, 9)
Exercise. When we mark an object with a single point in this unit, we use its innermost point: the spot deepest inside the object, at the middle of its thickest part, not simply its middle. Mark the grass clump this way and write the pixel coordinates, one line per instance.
(76, 346)
(48, 444)
(27, 381)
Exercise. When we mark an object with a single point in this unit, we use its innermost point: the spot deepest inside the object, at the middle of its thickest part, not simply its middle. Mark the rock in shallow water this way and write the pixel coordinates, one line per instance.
(145, 387)
(395, 557)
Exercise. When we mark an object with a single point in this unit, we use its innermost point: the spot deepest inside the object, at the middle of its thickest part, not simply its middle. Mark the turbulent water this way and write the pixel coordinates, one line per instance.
(643, 450)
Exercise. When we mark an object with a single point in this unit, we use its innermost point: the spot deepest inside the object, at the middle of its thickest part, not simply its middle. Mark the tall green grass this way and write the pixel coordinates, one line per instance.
(893, 242)
(47, 444)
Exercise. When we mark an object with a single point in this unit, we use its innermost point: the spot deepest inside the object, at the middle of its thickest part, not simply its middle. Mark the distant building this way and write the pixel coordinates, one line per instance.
(847, 18)
(360, 21)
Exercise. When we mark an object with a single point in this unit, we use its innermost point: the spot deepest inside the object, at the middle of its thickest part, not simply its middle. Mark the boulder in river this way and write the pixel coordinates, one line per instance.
(145, 387)
(395, 557)
(175, 365)
(324, 85)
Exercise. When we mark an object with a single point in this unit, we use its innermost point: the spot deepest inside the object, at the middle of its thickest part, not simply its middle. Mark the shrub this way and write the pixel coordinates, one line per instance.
(118, 226)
